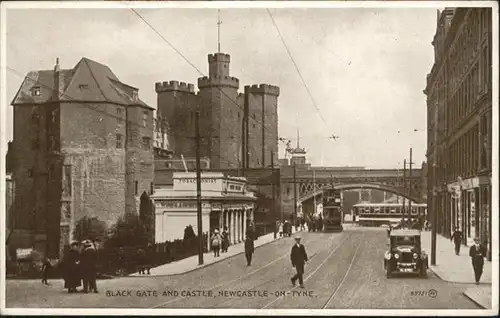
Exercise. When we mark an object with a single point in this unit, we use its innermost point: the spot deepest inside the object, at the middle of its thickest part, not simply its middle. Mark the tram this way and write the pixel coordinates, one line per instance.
(332, 211)
(376, 214)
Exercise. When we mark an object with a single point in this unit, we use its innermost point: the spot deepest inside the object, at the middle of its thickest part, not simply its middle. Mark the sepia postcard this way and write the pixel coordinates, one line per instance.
(249, 158)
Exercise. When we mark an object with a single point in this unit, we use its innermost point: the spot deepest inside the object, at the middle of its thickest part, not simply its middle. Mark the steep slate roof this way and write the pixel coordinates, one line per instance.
(88, 81)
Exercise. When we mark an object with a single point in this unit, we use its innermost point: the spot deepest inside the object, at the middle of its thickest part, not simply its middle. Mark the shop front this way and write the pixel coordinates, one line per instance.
(470, 205)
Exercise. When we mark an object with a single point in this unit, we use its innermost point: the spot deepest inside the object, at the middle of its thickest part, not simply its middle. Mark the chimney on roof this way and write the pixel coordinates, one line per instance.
(58, 81)
(56, 68)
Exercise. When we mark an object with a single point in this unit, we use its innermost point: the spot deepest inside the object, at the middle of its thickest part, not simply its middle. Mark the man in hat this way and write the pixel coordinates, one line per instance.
(298, 258)
(89, 268)
(249, 249)
(71, 268)
(457, 239)
(477, 253)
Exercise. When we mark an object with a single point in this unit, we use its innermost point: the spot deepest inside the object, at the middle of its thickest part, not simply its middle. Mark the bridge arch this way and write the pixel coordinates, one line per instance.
(359, 186)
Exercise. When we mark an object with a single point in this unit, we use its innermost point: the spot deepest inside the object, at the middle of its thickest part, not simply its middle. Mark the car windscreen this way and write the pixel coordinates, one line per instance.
(404, 240)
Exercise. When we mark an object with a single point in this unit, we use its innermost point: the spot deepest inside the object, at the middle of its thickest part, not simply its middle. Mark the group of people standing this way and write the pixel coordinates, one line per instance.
(220, 241)
(284, 228)
(315, 224)
(80, 264)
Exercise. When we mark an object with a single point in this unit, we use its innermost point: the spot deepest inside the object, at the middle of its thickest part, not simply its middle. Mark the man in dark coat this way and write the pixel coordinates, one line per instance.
(477, 253)
(249, 249)
(89, 267)
(457, 239)
(71, 268)
(298, 258)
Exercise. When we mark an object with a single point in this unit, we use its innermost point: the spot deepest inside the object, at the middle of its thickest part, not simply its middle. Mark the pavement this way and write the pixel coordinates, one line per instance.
(190, 264)
(344, 271)
(458, 268)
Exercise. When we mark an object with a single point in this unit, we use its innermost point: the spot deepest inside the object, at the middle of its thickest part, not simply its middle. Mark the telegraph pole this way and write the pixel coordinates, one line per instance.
(404, 188)
(198, 187)
(409, 186)
(294, 193)
(274, 193)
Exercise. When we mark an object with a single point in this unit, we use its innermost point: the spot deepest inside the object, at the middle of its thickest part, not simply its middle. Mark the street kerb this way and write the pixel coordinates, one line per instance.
(204, 265)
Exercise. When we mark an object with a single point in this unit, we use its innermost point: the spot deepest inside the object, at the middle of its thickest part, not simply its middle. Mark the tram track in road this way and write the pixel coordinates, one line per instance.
(226, 283)
(257, 286)
(311, 274)
(345, 275)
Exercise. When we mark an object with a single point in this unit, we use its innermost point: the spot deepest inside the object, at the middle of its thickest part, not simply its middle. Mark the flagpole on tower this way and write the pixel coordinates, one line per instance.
(218, 30)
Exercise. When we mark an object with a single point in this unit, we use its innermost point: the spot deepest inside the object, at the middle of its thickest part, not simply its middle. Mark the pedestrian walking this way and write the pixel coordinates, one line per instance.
(225, 240)
(216, 242)
(45, 270)
(71, 268)
(280, 228)
(456, 238)
(89, 267)
(477, 253)
(251, 230)
(249, 249)
(298, 258)
(302, 225)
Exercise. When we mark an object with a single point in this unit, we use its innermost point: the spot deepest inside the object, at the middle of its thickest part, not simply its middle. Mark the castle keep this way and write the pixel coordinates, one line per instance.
(236, 129)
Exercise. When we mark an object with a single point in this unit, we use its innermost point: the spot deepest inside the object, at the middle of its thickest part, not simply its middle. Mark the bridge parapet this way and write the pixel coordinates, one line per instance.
(309, 195)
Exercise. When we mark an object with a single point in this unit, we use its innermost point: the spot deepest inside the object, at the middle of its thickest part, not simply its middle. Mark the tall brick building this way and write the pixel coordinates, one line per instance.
(459, 115)
(82, 147)
(232, 124)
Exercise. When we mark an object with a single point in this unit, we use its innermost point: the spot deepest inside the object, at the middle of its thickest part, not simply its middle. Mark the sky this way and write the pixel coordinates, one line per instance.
(365, 67)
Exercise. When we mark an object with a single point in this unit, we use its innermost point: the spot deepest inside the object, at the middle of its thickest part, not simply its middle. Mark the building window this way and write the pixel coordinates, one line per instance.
(30, 173)
(146, 143)
(145, 118)
(119, 141)
(35, 91)
(135, 95)
(119, 115)
(136, 187)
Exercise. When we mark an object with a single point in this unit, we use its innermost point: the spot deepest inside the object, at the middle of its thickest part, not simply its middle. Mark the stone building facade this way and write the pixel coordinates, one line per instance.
(232, 124)
(459, 111)
(82, 146)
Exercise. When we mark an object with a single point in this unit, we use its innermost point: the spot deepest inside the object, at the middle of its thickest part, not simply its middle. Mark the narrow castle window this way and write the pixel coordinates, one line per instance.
(119, 141)
(145, 118)
(136, 187)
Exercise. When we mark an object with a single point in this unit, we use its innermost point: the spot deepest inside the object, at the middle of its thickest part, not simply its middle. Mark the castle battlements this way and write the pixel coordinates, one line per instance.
(227, 81)
(219, 57)
(263, 89)
(174, 86)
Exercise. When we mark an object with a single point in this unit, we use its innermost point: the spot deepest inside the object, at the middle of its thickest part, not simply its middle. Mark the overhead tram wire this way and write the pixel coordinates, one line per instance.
(297, 68)
(194, 66)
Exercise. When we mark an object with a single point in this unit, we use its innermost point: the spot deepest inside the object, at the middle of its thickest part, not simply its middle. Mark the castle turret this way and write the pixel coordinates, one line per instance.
(222, 124)
(262, 124)
(177, 102)
(218, 73)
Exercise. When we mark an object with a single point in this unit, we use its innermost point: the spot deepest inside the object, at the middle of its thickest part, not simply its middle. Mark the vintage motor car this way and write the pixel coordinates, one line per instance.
(405, 254)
